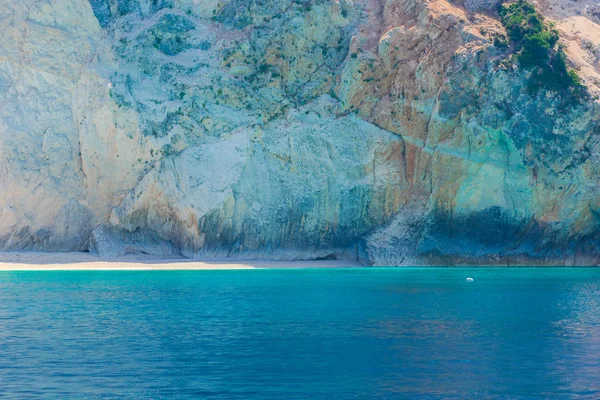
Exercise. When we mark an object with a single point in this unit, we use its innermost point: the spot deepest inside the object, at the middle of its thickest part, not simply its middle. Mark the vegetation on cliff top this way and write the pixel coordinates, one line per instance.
(537, 49)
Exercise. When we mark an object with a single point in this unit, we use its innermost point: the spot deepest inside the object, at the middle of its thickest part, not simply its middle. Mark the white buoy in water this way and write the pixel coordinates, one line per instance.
(469, 279)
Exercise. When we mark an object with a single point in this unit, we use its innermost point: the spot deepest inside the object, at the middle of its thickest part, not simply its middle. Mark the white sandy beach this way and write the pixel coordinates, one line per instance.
(38, 261)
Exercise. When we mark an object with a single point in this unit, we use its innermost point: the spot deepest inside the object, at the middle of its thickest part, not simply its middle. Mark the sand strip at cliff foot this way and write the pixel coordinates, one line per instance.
(37, 261)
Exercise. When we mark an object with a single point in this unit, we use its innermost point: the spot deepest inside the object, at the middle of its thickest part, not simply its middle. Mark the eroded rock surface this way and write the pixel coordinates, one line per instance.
(392, 131)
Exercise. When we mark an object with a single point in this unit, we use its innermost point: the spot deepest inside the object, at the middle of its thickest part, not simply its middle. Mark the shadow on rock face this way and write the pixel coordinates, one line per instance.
(496, 235)
(489, 231)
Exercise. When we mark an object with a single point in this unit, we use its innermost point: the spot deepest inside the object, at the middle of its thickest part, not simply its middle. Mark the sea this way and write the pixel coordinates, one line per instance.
(370, 333)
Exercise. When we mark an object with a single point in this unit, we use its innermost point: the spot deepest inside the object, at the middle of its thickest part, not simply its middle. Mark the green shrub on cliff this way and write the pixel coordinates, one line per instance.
(536, 47)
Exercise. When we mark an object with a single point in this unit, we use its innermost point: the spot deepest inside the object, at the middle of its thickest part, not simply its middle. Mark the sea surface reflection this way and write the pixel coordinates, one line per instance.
(301, 334)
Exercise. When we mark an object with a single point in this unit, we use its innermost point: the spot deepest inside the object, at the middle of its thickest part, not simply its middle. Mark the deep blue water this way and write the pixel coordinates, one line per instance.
(301, 334)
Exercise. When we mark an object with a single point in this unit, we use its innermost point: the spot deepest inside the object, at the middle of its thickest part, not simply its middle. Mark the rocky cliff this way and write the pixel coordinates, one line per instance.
(397, 132)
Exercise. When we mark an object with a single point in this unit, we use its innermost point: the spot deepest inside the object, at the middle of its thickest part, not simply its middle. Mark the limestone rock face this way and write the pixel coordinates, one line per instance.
(392, 131)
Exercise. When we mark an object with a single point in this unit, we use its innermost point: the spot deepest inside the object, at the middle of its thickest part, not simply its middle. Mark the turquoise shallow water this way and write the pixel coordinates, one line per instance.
(301, 334)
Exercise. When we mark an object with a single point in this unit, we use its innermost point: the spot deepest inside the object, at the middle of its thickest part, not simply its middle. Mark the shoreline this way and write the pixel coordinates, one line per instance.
(79, 261)
(40, 261)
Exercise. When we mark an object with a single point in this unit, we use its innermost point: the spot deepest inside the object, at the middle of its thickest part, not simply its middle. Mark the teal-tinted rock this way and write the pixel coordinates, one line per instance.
(101, 11)
(169, 34)
(392, 131)
(128, 6)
